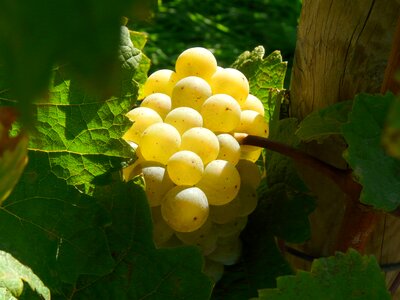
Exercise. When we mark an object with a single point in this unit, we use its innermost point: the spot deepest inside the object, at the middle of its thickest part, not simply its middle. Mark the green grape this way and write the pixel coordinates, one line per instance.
(196, 61)
(184, 118)
(253, 103)
(159, 142)
(249, 153)
(229, 148)
(185, 209)
(222, 214)
(231, 82)
(191, 92)
(157, 182)
(213, 269)
(201, 141)
(247, 199)
(161, 231)
(232, 228)
(251, 122)
(161, 81)
(221, 113)
(220, 182)
(227, 253)
(205, 238)
(185, 168)
(249, 172)
(142, 118)
(161, 103)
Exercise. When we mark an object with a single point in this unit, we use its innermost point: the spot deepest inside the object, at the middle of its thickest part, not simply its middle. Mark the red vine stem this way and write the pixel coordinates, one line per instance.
(342, 178)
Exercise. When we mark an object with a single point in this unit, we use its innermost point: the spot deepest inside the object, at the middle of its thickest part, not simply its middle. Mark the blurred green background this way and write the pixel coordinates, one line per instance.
(226, 27)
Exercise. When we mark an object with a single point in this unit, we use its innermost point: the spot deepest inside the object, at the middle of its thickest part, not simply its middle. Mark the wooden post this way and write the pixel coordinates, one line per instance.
(342, 49)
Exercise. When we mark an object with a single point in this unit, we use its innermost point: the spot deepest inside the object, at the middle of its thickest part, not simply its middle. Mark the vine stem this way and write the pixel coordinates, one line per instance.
(342, 178)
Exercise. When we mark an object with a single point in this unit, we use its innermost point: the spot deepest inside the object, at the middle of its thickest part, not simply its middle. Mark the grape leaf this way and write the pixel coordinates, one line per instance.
(36, 35)
(81, 133)
(377, 172)
(265, 75)
(53, 228)
(13, 274)
(391, 132)
(344, 276)
(142, 272)
(324, 122)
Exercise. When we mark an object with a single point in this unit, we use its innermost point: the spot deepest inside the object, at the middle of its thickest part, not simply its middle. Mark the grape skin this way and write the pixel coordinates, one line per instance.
(184, 118)
(191, 92)
(185, 168)
(185, 209)
(159, 142)
(157, 182)
(161, 81)
(196, 61)
(159, 102)
(229, 148)
(231, 82)
(142, 118)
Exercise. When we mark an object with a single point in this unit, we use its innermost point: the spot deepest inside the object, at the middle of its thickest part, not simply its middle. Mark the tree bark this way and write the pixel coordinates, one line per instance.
(342, 49)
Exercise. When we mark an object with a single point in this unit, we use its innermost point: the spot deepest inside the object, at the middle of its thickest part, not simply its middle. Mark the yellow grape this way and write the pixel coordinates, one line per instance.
(184, 118)
(159, 142)
(142, 118)
(191, 92)
(157, 183)
(220, 113)
(232, 82)
(253, 103)
(161, 103)
(229, 148)
(161, 81)
(220, 182)
(185, 209)
(251, 122)
(201, 141)
(196, 61)
(249, 153)
(227, 253)
(161, 231)
(185, 168)
(205, 238)
(249, 172)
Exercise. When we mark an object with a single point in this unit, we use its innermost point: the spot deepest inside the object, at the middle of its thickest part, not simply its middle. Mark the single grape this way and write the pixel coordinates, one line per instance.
(184, 118)
(249, 172)
(220, 182)
(213, 269)
(229, 148)
(232, 82)
(157, 183)
(253, 103)
(185, 209)
(185, 168)
(222, 214)
(227, 253)
(249, 153)
(247, 199)
(196, 61)
(142, 118)
(201, 141)
(191, 92)
(221, 113)
(251, 122)
(161, 81)
(159, 141)
(161, 231)
(232, 228)
(161, 103)
(204, 238)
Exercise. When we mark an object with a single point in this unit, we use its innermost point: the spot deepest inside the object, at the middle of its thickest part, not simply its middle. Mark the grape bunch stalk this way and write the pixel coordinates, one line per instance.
(199, 181)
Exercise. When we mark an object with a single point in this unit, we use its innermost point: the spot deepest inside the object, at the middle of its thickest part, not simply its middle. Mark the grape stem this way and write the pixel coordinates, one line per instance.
(342, 178)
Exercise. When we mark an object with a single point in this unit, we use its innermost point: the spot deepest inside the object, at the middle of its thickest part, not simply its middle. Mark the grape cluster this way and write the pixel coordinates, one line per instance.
(200, 183)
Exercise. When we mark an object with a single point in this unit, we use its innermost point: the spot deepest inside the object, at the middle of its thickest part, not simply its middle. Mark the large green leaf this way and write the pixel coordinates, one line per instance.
(81, 133)
(322, 123)
(142, 271)
(13, 274)
(53, 228)
(377, 172)
(265, 75)
(347, 276)
(84, 35)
